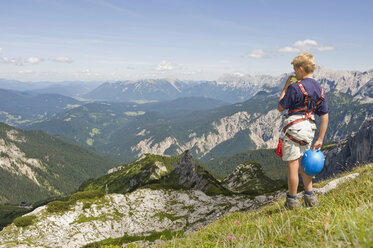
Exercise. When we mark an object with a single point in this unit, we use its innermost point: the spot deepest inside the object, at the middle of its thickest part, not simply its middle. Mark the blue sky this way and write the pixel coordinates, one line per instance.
(107, 40)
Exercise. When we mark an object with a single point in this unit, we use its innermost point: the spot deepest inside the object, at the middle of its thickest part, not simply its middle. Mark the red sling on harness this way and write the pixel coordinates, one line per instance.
(307, 117)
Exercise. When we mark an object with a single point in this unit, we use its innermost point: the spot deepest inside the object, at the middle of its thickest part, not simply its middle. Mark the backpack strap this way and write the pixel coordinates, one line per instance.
(294, 122)
(300, 142)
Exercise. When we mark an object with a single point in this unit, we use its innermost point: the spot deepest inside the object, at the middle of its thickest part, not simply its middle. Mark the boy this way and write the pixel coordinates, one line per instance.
(303, 99)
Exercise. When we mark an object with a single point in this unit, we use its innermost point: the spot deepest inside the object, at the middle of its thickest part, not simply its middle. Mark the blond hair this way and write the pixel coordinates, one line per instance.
(305, 60)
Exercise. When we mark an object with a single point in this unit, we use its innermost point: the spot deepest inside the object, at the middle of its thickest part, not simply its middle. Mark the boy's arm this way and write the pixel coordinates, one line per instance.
(288, 82)
(323, 127)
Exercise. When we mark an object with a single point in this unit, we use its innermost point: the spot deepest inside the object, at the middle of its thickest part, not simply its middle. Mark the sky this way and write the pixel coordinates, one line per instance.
(110, 40)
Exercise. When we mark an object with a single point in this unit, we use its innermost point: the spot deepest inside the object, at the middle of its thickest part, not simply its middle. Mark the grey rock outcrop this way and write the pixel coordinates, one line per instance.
(333, 184)
(350, 152)
(139, 213)
(192, 176)
(187, 171)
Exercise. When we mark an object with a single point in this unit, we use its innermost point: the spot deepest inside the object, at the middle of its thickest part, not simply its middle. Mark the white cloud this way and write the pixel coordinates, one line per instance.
(165, 66)
(190, 72)
(1, 49)
(288, 49)
(63, 59)
(86, 71)
(25, 72)
(325, 48)
(304, 46)
(33, 60)
(257, 54)
(239, 74)
(7, 60)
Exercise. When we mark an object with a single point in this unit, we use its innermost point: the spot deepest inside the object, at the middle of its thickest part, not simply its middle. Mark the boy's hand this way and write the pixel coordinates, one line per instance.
(317, 145)
(288, 82)
(323, 127)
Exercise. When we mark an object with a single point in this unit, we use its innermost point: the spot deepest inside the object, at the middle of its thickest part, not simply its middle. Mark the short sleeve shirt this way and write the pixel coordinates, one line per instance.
(294, 98)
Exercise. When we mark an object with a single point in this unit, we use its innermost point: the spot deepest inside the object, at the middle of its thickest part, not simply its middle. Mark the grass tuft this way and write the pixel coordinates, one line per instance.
(24, 221)
(61, 206)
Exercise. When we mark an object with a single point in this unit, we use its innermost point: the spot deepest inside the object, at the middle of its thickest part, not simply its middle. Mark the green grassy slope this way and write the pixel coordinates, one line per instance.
(249, 178)
(343, 219)
(152, 171)
(8, 213)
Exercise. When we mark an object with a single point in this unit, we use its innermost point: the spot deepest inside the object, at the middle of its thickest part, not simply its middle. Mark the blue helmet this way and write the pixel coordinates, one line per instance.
(312, 162)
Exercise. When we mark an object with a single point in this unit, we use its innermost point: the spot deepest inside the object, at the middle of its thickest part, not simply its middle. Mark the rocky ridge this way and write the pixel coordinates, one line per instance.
(140, 213)
(157, 171)
(143, 210)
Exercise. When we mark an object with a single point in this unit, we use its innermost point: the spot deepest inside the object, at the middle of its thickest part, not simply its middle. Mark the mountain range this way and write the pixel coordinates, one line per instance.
(208, 134)
(35, 166)
(17, 108)
(231, 88)
(208, 128)
(68, 88)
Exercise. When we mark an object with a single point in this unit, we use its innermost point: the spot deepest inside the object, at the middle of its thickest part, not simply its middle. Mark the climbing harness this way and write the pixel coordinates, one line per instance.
(307, 117)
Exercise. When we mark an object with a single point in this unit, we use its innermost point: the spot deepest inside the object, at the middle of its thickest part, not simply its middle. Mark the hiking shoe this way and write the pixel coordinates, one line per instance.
(310, 200)
(292, 203)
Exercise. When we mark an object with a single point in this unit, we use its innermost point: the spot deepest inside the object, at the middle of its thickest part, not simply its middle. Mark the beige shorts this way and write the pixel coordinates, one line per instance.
(304, 131)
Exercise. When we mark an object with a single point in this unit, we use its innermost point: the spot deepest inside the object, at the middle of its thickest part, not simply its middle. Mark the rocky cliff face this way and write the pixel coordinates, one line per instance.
(263, 130)
(15, 161)
(35, 166)
(348, 153)
(365, 93)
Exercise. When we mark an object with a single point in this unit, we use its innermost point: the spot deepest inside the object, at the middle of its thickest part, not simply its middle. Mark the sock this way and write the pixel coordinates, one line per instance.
(308, 192)
(292, 197)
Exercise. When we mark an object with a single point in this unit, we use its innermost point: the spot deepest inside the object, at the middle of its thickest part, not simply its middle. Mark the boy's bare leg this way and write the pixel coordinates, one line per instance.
(307, 180)
(310, 199)
(293, 180)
